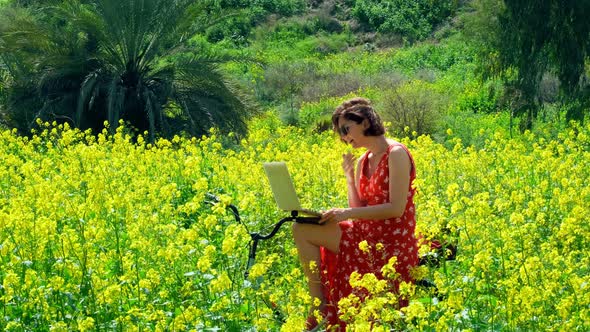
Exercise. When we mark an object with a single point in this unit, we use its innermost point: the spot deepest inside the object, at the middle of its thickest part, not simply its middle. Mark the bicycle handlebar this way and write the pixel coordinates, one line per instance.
(294, 217)
(255, 237)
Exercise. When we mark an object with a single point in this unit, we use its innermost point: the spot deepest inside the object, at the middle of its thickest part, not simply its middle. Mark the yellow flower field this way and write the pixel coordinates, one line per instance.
(110, 233)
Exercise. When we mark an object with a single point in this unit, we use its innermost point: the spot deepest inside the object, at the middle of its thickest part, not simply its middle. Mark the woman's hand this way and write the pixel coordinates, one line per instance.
(348, 160)
(335, 215)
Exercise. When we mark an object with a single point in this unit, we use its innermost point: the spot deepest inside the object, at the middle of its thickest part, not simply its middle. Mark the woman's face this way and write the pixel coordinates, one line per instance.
(351, 132)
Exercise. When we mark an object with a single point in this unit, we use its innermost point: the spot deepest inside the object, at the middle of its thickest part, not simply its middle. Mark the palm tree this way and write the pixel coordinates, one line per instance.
(110, 60)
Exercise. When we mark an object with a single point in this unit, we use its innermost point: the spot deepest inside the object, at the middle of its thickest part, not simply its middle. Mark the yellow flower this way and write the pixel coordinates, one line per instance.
(414, 311)
(364, 246)
(419, 272)
(388, 270)
(204, 264)
(313, 266)
(257, 270)
(349, 306)
(482, 261)
(355, 279)
(86, 324)
(10, 282)
(406, 289)
(221, 283)
(58, 327)
(130, 220)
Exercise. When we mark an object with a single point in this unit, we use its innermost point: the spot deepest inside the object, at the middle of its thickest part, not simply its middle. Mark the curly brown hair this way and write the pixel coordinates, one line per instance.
(358, 109)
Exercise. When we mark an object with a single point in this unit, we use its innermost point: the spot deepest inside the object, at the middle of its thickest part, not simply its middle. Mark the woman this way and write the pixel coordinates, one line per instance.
(381, 211)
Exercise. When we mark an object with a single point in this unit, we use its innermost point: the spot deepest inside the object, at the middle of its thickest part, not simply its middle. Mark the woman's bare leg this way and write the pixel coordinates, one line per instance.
(308, 239)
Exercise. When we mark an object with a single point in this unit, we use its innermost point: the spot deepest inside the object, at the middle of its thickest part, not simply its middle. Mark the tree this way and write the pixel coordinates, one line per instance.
(110, 60)
(522, 40)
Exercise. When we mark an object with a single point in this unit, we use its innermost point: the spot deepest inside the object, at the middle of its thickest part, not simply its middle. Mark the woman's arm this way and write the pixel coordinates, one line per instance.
(352, 180)
(399, 181)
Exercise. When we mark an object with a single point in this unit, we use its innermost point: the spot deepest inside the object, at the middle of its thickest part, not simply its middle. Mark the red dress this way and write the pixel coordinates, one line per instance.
(395, 234)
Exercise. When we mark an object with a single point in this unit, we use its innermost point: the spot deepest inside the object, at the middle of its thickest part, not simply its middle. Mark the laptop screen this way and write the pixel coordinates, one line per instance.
(282, 186)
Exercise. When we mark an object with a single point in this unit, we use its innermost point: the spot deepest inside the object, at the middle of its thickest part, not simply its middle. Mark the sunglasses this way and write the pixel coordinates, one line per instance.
(344, 130)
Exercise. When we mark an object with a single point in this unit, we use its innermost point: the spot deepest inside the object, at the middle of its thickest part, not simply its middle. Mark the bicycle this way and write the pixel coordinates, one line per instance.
(432, 259)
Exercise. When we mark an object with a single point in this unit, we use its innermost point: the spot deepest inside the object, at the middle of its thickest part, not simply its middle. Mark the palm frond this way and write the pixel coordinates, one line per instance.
(22, 35)
(88, 94)
(213, 101)
(137, 28)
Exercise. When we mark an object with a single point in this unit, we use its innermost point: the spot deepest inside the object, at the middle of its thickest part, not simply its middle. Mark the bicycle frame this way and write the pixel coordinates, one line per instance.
(256, 237)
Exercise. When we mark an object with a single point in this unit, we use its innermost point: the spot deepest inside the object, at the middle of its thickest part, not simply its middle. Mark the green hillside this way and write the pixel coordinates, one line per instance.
(429, 66)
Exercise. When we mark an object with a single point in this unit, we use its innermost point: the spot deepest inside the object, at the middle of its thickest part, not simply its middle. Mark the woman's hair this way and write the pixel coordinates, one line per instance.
(358, 109)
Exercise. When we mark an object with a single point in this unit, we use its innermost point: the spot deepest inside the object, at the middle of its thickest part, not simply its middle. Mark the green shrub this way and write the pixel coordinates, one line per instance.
(440, 56)
(236, 29)
(325, 22)
(549, 88)
(285, 30)
(333, 85)
(241, 16)
(288, 114)
(288, 30)
(317, 115)
(323, 44)
(414, 20)
(282, 7)
(480, 97)
(284, 81)
(412, 108)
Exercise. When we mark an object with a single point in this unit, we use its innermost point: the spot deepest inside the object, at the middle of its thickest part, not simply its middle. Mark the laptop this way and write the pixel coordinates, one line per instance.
(283, 189)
